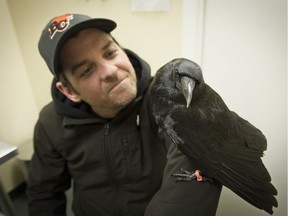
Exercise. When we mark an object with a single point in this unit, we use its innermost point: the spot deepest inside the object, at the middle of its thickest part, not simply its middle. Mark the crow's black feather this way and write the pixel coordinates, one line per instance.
(224, 146)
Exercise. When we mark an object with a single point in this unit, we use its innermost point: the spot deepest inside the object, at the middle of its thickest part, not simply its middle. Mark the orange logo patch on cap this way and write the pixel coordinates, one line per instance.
(59, 24)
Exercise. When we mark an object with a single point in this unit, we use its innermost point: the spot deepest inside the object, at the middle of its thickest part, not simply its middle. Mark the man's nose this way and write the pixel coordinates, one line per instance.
(108, 71)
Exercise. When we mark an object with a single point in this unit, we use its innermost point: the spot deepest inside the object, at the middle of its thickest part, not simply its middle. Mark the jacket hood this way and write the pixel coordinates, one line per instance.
(64, 106)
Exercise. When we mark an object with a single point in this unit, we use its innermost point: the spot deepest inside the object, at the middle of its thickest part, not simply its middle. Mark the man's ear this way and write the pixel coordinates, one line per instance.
(67, 92)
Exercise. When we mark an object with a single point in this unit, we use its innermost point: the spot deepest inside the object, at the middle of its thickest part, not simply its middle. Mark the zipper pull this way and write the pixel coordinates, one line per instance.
(106, 129)
(138, 120)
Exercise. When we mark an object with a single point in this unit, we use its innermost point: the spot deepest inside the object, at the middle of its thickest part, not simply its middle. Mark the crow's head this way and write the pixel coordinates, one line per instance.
(180, 75)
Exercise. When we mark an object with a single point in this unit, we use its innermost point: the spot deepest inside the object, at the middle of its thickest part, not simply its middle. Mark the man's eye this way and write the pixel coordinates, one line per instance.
(87, 71)
(110, 53)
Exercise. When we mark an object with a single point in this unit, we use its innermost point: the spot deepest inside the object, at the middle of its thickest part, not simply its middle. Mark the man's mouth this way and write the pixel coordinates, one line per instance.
(116, 84)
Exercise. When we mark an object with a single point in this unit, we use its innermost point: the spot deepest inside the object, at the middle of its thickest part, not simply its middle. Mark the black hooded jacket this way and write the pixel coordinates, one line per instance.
(116, 165)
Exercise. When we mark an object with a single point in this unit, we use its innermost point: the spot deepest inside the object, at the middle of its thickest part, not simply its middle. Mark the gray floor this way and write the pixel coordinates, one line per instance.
(20, 204)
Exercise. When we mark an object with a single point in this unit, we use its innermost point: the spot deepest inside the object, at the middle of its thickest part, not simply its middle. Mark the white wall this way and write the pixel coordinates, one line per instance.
(18, 111)
(243, 54)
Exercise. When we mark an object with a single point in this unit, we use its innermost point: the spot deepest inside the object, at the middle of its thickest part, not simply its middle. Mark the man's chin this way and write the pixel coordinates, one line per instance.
(125, 99)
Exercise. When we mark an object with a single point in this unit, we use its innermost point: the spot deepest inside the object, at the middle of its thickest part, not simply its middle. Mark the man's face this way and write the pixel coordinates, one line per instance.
(99, 71)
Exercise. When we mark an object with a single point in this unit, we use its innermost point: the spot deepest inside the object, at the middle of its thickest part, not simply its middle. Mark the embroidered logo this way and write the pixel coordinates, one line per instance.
(59, 24)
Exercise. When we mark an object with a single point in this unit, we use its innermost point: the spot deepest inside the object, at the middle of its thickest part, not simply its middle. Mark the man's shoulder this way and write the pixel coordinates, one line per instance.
(48, 113)
(48, 109)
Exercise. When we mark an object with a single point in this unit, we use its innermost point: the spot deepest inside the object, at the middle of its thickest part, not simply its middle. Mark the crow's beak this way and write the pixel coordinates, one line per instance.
(186, 86)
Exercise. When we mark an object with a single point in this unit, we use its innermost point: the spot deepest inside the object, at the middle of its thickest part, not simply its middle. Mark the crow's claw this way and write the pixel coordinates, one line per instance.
(187, 176)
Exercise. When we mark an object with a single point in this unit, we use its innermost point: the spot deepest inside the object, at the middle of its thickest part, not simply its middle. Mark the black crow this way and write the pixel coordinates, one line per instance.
(224, 147)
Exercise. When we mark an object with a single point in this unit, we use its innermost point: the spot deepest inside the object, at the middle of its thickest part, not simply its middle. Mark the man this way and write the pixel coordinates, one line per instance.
(98, 131)
(90, 133)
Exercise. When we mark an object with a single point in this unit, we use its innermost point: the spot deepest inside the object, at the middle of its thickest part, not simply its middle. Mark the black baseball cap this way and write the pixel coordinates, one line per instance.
(61, 28)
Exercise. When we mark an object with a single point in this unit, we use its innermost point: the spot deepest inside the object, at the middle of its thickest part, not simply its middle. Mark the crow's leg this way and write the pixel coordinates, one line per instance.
(187, 176)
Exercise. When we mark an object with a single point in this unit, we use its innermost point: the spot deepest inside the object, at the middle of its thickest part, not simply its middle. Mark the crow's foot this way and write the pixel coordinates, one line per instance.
(187, 176)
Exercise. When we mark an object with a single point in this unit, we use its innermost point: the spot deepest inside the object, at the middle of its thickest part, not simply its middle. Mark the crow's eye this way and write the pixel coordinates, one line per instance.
(175, 73)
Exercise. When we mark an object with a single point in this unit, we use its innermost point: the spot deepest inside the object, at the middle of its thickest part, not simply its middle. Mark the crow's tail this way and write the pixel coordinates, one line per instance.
(250, 180)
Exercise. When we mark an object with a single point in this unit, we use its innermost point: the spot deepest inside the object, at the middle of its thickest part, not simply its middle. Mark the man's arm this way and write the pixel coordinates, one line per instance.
(48, 178)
